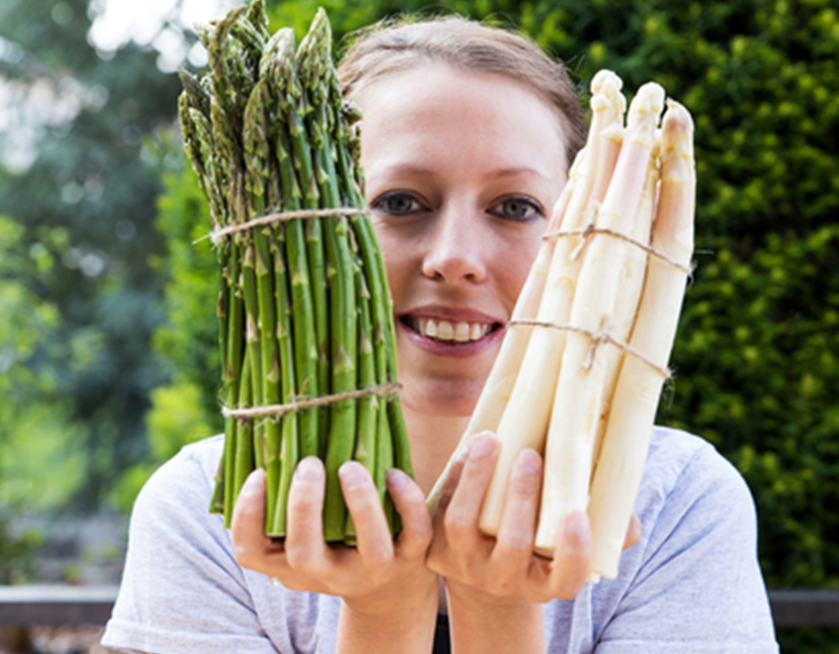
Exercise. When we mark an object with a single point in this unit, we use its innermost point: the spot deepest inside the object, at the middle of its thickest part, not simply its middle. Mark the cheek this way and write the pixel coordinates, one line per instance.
(515, 259)
(397, 255)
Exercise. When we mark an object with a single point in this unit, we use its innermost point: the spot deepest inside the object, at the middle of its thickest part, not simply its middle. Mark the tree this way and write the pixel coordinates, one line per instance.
(83, 167)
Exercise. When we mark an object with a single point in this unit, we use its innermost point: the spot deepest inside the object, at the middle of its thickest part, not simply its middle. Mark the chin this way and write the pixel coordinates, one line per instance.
(444, 398)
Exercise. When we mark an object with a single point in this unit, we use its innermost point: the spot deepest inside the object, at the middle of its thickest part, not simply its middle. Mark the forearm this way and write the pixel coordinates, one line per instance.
(480, 623)
(405, 626)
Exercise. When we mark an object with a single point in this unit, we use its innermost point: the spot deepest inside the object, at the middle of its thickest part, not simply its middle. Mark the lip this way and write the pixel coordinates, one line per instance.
(452, 314)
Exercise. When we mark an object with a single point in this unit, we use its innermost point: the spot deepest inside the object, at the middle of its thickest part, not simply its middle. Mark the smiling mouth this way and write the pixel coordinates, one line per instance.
(445, 331)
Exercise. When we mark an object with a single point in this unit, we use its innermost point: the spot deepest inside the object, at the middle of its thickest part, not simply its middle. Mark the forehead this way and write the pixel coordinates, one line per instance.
(436, 106)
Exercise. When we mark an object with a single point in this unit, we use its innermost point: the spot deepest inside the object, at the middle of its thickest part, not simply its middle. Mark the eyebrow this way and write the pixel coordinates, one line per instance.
(519, 170)
(407, 168)
(412, 169)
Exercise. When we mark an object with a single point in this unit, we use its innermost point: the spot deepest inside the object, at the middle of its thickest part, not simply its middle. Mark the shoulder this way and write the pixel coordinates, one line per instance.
(182, 590)
(173, 508)
(693, 582)
(189, 475)
(696, 511)
(684, 473)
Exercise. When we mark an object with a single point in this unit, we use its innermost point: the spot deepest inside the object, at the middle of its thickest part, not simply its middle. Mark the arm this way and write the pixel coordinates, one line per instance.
(693, 583)
(389, 598)
(181, 589)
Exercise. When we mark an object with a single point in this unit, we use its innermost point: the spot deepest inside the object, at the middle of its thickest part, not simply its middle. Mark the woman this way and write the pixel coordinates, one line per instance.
(467, 136)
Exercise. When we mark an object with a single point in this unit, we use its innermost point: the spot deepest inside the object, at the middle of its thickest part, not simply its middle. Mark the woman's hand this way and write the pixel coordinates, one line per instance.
(369, 577)
(505, 568)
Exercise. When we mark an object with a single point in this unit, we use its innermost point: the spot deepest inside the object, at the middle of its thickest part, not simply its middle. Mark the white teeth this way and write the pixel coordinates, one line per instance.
(443, 330)
(461, 331)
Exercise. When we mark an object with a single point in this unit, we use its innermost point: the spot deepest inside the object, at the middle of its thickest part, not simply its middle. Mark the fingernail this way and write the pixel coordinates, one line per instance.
(255, 482)
(482, 446)
(464, 451)
(529, 462)
(576, 524)
(309, 469)
(396, 478)
(352, 474)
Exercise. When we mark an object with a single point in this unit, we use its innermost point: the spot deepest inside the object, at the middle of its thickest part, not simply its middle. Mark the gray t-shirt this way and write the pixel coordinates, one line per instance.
(691, 585)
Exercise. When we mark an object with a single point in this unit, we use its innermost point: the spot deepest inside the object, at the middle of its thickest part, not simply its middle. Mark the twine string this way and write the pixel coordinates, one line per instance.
(590, 230)
(280, 409)
(275, 410)
(268, 219)
(597, 338)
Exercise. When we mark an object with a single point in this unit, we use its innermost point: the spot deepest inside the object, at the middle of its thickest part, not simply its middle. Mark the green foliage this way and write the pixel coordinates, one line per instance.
(189, 338)
(187, 408)
(36, 462)
(40, 467)
(757, 376)
(89, 187)
(26, 332)
(177, 417)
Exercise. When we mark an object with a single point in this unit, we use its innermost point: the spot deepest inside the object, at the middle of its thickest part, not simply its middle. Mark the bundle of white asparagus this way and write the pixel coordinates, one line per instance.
(581, 368)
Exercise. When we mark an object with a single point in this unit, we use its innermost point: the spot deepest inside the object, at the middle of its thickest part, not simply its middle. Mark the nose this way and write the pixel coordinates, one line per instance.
(457, 247)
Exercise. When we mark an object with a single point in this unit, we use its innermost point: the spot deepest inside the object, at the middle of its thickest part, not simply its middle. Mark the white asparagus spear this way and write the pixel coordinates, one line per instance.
(525, 419)
(628, 302)
(626, 308)
(618, 475)
(579, 392)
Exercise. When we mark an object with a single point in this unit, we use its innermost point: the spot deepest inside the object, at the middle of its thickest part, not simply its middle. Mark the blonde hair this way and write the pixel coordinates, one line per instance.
(389, 47)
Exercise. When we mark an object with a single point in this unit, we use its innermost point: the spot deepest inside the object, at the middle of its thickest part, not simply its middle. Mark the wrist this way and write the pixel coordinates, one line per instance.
(411, 595)
(401, 621)
(466, 596)
(481, 622)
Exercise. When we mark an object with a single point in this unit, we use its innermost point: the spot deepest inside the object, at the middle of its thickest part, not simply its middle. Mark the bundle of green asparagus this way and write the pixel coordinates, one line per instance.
(306, 327)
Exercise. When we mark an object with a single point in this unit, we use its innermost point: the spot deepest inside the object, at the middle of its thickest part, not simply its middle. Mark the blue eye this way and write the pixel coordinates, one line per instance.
(397, 203)
(518, 208)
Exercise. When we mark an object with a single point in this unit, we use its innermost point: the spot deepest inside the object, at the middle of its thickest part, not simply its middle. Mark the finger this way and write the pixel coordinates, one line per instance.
(633, 532)
(572, 557)
(409, 501)
(373, 539)
(452, 479)
(304, 545)
(461, 517)
(516, 531)
(247, 528)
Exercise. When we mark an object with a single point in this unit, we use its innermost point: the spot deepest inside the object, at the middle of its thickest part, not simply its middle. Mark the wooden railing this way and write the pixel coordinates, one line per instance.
(54, 605)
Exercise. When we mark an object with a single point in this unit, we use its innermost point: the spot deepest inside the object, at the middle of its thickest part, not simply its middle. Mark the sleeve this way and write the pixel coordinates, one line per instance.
(182, 591)
(697, 585)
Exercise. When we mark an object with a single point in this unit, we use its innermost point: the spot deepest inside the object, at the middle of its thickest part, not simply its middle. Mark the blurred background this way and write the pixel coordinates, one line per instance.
(108, 361)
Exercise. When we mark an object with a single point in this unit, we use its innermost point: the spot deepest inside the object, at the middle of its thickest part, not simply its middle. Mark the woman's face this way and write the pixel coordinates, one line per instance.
(462, 171)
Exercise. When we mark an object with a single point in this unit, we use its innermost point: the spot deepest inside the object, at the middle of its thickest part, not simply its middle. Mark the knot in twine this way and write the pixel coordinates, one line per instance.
(596, 338)
(591, 229)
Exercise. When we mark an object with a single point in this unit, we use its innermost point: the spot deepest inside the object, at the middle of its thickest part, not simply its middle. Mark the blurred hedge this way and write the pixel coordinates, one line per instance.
(756, 358)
